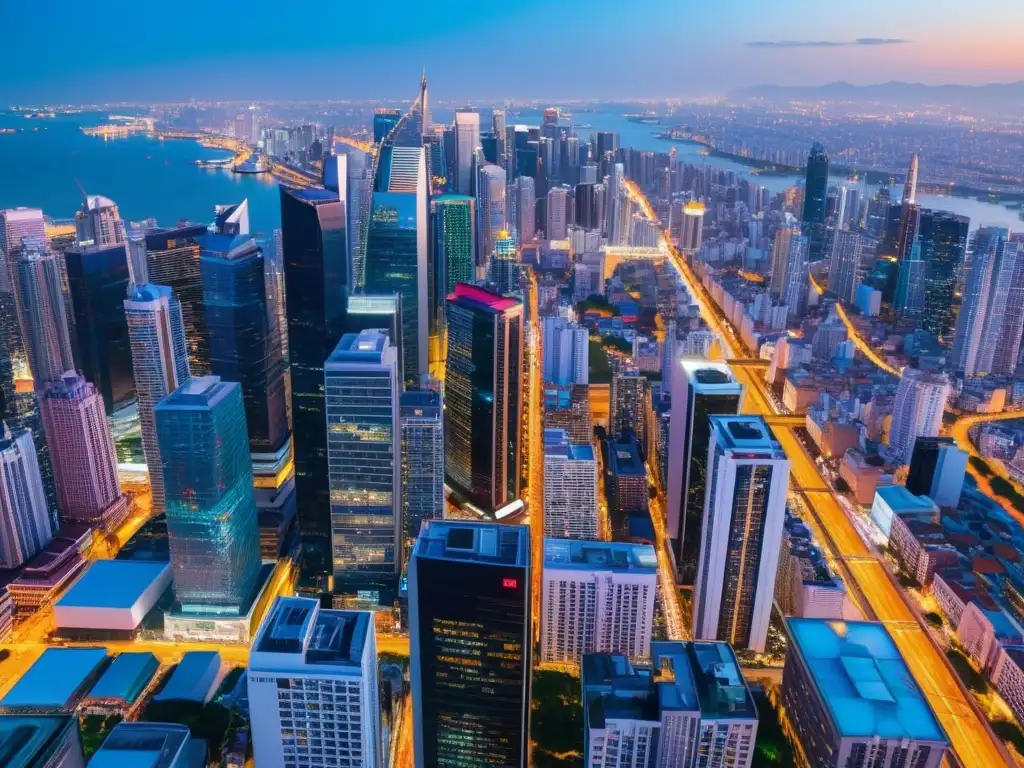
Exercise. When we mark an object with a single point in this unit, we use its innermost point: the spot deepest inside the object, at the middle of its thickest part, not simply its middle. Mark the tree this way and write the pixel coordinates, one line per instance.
(934, 619)
(842, 486)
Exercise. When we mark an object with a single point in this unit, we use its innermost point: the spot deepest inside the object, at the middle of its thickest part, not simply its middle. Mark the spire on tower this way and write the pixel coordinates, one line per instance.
(910, 188)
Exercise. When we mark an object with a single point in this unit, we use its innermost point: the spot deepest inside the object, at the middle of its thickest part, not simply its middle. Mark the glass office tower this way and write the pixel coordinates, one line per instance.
(943, 247)
(470, 644)
(454, 231)
(211, 515)
(315, 255)
(816, 202)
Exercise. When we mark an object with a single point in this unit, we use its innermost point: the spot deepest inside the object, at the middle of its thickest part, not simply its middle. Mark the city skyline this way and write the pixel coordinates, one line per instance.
(730, 46)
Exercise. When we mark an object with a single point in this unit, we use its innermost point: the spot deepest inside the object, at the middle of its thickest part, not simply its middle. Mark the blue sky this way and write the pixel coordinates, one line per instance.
(69, 50)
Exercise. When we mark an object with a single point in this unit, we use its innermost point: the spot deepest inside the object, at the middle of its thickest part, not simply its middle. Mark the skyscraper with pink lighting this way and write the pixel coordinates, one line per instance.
(82, 453)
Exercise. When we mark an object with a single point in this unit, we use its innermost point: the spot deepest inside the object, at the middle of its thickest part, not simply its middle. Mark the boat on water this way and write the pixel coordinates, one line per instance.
(644, 118)
(223, 162)
(256, 163)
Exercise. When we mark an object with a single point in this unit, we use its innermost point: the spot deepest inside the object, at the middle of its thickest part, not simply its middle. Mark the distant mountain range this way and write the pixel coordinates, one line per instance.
(992, 94)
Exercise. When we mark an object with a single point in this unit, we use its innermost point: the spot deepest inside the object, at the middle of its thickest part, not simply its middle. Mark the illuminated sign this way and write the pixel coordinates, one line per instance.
(510, 583)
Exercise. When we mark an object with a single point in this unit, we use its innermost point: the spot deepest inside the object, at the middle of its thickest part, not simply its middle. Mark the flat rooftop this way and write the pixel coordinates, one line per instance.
(614, 689)
(556, 443)
(366, 346)
(126, 677)
(297, 625)
(673, 678)
(573, 554)
(863, 680)
(193, 678)
(486, 543)
(722, 691)
(900, 500)
(197, 392)
(481, 298)
(142, 745)
(56, 679)
(113, 584)
(746, 433)
(706, 377)
(24, 738)
(624, 458)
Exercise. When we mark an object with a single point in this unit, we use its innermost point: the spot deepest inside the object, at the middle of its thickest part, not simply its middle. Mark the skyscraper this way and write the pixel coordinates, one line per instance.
(422, 424)
(315, 247)
(19, 407)
(598, 597)
(566, 352)
(937, 468)
(324, 664)
(847, 247)
(526, 208)
(1000, 340)
(396, 247)
(700, 389)
(943, 237)
(470, 644)
(359, 196)
(25, 526)
(159, 362)
(816, 202)
(454, 230)
(795, 285)
(973, 321)
(627, 403)
(172, 259)
(490, 211)
(384, 119)
(211, 515)
(99, 222)
(40, 303)
(98, 280)
(744, 512)
(557, 226)
(909, 298)
(364, 462)
(692, 232)
(467, 139)
(82, 454)
(917, 410)
(570, 487)
(910, 185)
(245, 344)
(483, 394)
(781, 248)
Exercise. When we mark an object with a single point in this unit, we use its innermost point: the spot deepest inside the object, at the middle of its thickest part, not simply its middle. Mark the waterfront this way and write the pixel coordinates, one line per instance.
(150, 178)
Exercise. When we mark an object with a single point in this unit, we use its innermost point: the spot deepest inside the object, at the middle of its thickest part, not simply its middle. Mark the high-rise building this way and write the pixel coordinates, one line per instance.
(847, 248)
(908, 300)
(40, 302)
(700, 389)
(25, 526)
(566, 352)
(910, 185)
(526, 208)
(467, 139)
(937, 469)
(689, 707)
(396, 247)
(422, 424)
(313, 687)
(245, 343)
(795, 282)
(627, 402)
(943, 238)
(834, 668)
(212, 524)
(692, 232)
(1004, 313)
(159, 363)
(98, 280)
(598, 597)
(453, 219)
(82, 453)
(384, 119)
(917, 410)
(314, 244)
(172, 259)
(470, 644)
(19, 406)
(744, 512)
(490, 211)
(99, 222)
(570, 487)
(483, 396)
(816, 202)
(557, 221)
(359, 196)
(364, 461)
(232, 219)
(973, 320)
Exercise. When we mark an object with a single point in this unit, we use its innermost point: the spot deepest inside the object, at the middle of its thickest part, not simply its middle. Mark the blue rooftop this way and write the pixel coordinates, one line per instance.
(556, 443)
(57, 680)
(126, 677)
(862, 678)
(143, 745)
(599, 555)
(900, 499)
(314, 194)
(27, 741)
(193, 679)
(113, 584)
(624, 458)
(363, 347)
(485, 543)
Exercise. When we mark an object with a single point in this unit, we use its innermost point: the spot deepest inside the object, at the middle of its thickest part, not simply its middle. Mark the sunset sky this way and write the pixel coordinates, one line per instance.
(72, 51)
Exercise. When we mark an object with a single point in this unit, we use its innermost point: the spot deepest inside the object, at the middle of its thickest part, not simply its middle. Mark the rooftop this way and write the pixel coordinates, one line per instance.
(198, 392)
(369, 304)
(746, 434)
(573, 554)
(150, 292)
(142, 745)
(297, 625)
(25, 739)
(556, 443)
(314, 195)
(482, 298)
(126, 677)
(900, 500)
(57, 679)
(485, 543)
(710, 378)
(369, 346)
(624, 458)
(193, 678)
(862, 678)
(615, 689)
(113, 584)
(718, 680)
(423, 403)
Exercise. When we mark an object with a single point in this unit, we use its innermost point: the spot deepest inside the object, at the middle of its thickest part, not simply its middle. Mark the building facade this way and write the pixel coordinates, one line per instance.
(917, 410)
(570, 487)
(25, 526)
(422, 423)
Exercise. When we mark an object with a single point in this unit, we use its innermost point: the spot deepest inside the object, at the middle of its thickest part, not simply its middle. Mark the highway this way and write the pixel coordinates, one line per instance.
(535, 461)
(873, 588)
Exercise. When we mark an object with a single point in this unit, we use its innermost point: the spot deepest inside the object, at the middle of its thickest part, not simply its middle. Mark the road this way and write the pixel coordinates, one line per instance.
(972, 739)
(672, 604)
(535, 443)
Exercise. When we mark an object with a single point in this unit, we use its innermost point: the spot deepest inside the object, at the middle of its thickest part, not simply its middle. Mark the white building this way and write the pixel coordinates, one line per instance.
(313, 690)
(917, 410)
(566, 352)
(598, 597)
(744, 512)
(526, 208)
(25, 526)
(1008, 678)
(557, 226)
(99, 222)
(467, 139)
(570, 487)
(490, 211)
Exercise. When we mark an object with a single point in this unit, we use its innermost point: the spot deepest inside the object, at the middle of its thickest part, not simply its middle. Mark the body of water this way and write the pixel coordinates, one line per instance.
(149, 178)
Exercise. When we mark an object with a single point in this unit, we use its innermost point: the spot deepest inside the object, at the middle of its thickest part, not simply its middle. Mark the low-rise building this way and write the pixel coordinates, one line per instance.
(1008, 678)
(57, 681)
(804, 584)
(863, 474)
(152, 745)
(121, 689)
(983, 630)
(40, 741)
(195, 678)
(895, 500)
(920, 546)
(111, 599)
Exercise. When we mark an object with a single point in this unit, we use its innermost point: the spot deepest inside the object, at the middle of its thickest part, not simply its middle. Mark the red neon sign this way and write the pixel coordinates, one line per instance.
(510, 583)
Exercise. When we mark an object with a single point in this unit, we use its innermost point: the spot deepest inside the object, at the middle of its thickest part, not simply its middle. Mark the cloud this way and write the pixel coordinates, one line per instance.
(826, 43)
